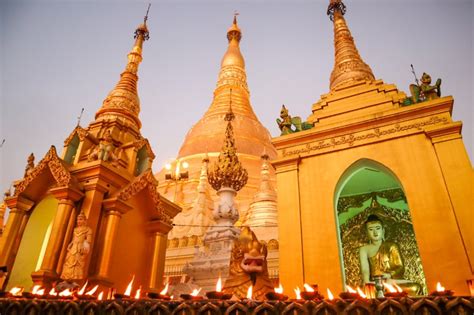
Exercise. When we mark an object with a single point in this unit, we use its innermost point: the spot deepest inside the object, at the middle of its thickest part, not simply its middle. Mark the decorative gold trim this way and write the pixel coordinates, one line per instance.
(51, 161)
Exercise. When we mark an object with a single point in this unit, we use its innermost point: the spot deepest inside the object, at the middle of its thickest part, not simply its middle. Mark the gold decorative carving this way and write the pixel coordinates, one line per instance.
(227, 171)
(52, 162)
(30, 165)
(145, 181)
(398, 229)
(392, 195)
(351, 139)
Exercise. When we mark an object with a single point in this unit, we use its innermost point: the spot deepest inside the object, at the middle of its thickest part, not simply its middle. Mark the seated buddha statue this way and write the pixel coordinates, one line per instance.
(381, 257)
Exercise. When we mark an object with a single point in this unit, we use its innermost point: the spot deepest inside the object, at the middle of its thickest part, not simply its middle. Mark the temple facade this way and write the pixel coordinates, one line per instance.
(375, 158)
(184, 180)
(92, 212)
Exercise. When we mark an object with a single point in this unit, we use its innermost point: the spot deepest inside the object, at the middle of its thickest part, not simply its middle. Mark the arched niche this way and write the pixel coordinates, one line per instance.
(33, 243)
(368, 187)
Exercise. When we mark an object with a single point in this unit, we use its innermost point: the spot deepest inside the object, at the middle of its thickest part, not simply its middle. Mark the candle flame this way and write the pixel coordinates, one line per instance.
(16, 291)
(165, 290)
(83, 289)
(308, 288)
(137, 294)
(350, 289)
(128, 291)
(389, 287)
(66, 292)
(219, 285)
(92, 291)
(439, 287)
(279, 290)
(361, 294)
(35, 289)
(249, 293)
(330, 296)
(101, 296)
(398, 288)
(196, 292)
(53, 292)
(298, 293)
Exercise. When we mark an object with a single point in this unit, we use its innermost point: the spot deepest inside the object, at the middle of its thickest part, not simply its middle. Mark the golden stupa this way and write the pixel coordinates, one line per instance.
(204, 140)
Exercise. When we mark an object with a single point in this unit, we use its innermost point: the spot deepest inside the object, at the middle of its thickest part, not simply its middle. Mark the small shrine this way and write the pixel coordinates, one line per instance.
(92, 213)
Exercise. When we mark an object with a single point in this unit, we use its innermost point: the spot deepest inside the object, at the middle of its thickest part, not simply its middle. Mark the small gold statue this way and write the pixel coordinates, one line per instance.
(30, 164)
(105, 150)
(248, 267)
(383, 258)
(77, 250)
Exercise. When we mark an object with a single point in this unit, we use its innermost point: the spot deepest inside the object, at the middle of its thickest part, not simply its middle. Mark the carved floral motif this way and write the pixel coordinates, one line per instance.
(145, 181)
(52, 162)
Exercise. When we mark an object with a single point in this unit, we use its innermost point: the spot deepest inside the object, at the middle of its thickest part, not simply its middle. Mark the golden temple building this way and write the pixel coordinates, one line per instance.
(92, 212)
(185, 180)
(374, 152)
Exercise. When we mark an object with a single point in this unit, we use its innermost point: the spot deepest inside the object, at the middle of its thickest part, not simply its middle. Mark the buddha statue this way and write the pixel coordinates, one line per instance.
(383, 258)
(77, 250)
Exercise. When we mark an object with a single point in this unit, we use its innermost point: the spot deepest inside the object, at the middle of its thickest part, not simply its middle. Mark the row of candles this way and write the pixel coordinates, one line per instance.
(310, 292)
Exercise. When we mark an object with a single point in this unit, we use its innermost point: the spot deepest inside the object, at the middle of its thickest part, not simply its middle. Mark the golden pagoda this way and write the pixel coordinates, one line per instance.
(375, 158)
(93, 213)
(180, 182)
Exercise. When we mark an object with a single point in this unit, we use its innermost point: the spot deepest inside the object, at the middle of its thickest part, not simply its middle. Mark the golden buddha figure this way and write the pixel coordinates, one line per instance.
(383, 258)
(77, 250)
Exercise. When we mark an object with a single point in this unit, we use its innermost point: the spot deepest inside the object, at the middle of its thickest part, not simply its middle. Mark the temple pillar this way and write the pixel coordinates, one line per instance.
(67, 196)
(92, 206)
(106, 241)
(10, 240)
(457, 173)
(289, 223)
(159, 236)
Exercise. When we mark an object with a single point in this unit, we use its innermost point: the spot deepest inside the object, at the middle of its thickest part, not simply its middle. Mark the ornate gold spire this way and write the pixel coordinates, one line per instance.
(348, 65)
(123, 101)
(227, 171)
(233, 64)
(250, 134)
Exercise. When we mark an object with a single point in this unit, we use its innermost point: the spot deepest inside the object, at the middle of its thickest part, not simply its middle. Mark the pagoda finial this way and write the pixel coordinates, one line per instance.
(227, 171)
(348, 65)
(123, 101)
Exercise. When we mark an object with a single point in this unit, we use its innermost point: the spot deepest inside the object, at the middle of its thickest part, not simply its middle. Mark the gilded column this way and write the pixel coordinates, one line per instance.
(158, 262)
(289, 223)
(66, 196)
(9, 242)
(113, 213)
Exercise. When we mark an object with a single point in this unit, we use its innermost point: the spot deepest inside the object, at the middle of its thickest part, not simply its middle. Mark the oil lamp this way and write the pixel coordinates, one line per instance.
(218, 294)
(311, 292)
(394, 290)
(441, 291)
(277, 294)
(350, 294)
(193, 296)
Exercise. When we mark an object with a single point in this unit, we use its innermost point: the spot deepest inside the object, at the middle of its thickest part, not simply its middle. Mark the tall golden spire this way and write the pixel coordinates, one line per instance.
(233, 64)
(122, 101)
(250, 134)
(227, 171)
(348, 65)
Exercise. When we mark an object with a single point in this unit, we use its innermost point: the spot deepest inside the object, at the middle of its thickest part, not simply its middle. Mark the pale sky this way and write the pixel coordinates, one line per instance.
(59, 56)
